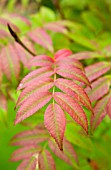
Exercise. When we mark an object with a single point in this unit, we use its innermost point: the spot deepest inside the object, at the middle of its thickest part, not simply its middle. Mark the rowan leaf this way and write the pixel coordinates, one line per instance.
(5, 21)
(68, 154)
(55, 122)
(73, 73)
(100, 87)
(41, 37)
(96, 70)
(75, 91)
(46, 161)
(25, 152)
(35, 76)
(56, 27)
(10, 62)
(41, 60)
(3, 34)
(1, 74)
(21, 17)
(29, 164)
(85, 55)
(32, 105)
(72, 108)
(108, 107)
(99, 112)
(55, 149)
(22, 54)
(61, 54)
(41, 86)
(30, 137)
(69, 62)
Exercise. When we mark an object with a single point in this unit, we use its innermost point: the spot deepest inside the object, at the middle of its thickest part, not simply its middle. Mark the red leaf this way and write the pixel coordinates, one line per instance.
(41, 37)
(68, 154)
(55, 122)
(73, 73)
(72, 108)
(61, 54)
(4, 22)
(25, 152)
(55, 149)
(46, 161)
(84, 55)
(30, 137)
(35, 76)
(75, 91)
(96, 70)
(108, 107)
(99, 112)
(69, 62)
(37, 87)
(32, 105)
(41, 60)
(22, 54)
(29, 164)
(17, 16)
(1, 74)
(10, 62)
(56, 27)
(3, 34)
(100, 87)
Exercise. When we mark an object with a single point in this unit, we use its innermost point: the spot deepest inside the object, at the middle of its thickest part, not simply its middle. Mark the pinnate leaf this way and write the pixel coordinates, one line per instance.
(69, 62)
(41, 37)
(55, 122)
(3, 34)
(68, 154)
(46, 161)
(84, 55)
(41, 86)
(56, 27)
(72, 108)
(4, 22)
(96, 70)
(22, 54)
(55, 149)
(10, 62)
(73, 73)
(108, 107)
(41, 60)
(30, 137)
(36, 76)
(74, 90)
(1, 74)
(100, 111)
(29, 164)
(32, 105)
(100, 87)
(21, 17)
(25, 152)
(61, 54)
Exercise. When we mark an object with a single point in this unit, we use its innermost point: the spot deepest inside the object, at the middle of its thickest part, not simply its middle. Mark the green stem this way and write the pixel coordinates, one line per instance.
(54, 82)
